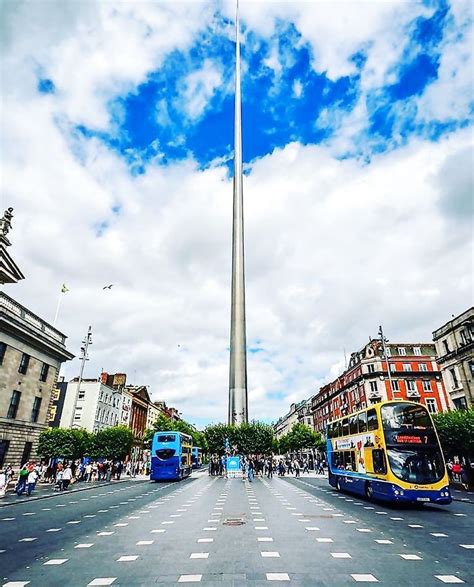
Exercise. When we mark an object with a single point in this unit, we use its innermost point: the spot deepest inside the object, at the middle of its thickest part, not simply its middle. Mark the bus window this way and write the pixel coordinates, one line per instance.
(362, 422)
(165, 453)
(336, 461)
(353, 425)
(345, 427)
(349, 461)
(378, 458)
(166, 438)
(329, 431)
(337, 430)
(372, 423)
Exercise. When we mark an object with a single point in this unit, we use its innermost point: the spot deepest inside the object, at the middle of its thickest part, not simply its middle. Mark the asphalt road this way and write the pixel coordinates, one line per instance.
(294, 531)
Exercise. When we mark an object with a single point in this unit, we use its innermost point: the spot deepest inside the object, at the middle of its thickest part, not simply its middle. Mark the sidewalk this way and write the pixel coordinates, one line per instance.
(45, 490)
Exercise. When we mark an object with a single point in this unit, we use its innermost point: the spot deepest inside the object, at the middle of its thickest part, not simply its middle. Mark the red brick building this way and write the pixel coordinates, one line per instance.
(414, 376)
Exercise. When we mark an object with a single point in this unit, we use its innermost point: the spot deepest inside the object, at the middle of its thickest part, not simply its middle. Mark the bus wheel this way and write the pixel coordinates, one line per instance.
(338, 484)
(369, 492)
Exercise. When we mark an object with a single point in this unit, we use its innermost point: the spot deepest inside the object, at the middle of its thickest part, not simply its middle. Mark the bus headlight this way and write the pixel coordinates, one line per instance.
(397, 490)
(445, 492)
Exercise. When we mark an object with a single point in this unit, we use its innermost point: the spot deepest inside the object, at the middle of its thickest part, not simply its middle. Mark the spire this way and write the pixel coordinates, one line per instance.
(238, 404)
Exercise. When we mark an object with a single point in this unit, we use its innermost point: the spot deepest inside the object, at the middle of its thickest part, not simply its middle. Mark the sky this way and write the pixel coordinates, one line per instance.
(117, 126)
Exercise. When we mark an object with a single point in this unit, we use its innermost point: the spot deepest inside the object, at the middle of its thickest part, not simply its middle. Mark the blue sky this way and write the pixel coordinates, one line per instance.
(357, 129)
(151, 123)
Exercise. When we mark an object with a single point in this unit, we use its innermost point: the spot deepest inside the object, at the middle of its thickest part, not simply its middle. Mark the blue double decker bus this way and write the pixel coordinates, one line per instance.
(171, 454)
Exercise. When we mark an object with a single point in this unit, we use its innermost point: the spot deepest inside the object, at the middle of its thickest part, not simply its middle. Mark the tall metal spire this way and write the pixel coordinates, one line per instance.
(238, 403)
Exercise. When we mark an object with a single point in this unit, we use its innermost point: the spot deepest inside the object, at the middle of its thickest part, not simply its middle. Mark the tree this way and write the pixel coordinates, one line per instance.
(112, 443)
(216, 435)
(254, 437)
(301, 437)
(456, 432)
(64, 442)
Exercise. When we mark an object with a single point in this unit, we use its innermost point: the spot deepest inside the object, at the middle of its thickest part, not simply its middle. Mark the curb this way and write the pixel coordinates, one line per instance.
(67, 492)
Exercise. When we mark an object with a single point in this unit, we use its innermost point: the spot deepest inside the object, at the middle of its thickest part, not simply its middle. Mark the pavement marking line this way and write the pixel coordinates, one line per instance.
(340, 555)
(45, 509)
(56, 561)
(199, 555)
(312, 528)
(411, 557)
(127, 558)
(144, 542)
(16, 583)
(209, 529)
(261, 528)
(27, 539)
(264, 539)
(278, 577)
(205, 539)
(469, 546)
(84, 545)
(363, 530)
(7, 519)
(383, 541)
(449, 579)
(90, 516)
(105, 533)
(54, 530)
(415, 526)
(438, 534)
(74, 522)
(189, 578)
(270, 554)
(397, 519)
(364, 578)
(324, 540)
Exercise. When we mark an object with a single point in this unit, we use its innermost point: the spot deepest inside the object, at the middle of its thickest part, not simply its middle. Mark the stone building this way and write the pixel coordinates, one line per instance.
(299, 413)
(455, 350)
(31, 353)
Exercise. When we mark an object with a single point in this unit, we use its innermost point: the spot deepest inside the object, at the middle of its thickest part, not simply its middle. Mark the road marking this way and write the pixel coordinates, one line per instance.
(438, 534)
(160, 531)
(84, 545)
(270, 554)
(396, 519)
(205, 539)
(264, 539)
(189, 578)
(363, 530)
(16, 583)
(278, 577)
(365, 578)
(349, 521)
(324, 540)
(199, 555)
(74, 522)
(340, 555)
(312, 528)
(449, 579)
(261, 527)
(56, 561)
(410, 557)
(415, 526)
(144, 542)
(209, 529)
(27, 539)
(127, 558)
(105, 533)
(469, 546)
(54, 530)
(384, 541)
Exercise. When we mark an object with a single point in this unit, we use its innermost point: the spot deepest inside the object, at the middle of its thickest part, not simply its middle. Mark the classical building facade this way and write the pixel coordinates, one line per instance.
(414, 376)
(94, 406)
(31, 353)
(298, 413)
(455, 350)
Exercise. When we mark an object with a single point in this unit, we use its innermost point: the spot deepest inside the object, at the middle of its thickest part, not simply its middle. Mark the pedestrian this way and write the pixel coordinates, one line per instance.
(59, 479)
(31, 481)
(67, 477)
(251, 469)
(3, 483)
(464, 478)
(270, 468)
(296, 467)
(22, 479)
(119, 470)
(305, 466)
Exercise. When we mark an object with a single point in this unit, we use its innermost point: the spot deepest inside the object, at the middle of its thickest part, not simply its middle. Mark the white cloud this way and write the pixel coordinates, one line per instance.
(333, 248)
(199, 87)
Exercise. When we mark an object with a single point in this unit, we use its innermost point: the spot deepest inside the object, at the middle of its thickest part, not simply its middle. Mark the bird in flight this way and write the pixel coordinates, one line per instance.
(108, 286)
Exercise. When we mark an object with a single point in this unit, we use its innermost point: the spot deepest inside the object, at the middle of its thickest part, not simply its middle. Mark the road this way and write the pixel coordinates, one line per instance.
(297, 531)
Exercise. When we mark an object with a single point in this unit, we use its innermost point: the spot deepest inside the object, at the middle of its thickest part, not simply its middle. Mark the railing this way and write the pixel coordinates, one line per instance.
(10, 306)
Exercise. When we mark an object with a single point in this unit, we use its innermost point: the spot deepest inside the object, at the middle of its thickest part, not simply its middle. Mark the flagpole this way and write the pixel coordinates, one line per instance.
(57, 307)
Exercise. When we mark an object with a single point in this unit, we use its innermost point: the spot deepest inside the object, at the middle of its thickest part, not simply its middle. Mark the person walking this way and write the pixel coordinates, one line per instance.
(67, 477)
(296, 467)
(22, 479)
(270, 468)
(3, 483)
(31, 481)
(251, 469)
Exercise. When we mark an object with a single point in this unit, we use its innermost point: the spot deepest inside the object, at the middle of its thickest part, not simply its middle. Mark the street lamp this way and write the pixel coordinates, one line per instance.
(383, 340)
(84, 357)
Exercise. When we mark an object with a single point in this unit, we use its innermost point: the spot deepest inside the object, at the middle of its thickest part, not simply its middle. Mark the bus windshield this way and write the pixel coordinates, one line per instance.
(166, 438)
(413, 450)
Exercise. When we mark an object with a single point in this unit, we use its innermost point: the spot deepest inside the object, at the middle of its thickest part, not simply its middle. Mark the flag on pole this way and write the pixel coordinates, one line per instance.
(64, 289)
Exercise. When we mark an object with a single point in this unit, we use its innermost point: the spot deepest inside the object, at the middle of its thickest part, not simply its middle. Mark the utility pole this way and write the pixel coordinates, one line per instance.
(84, 357)
(383, 341)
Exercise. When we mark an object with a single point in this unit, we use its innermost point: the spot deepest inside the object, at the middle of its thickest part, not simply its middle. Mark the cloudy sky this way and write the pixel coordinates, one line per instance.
(116, 126)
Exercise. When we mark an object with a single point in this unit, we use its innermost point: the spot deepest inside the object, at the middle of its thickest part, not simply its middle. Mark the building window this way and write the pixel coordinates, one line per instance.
(14, 403)
(371, 368)
(411, 385)
(417, 350)
(393, 367)
(402, 351)
(373, 386)
(4, 444)
(25, 457)
(426, 385)
(423, 367)
(24, 362)
(44, 372)
(395, 385)
(454, 378)
(431, 405)
(388, 352)
(3, 350)
(81, 395)
(406, 367)
(35, 410)
(446, 346)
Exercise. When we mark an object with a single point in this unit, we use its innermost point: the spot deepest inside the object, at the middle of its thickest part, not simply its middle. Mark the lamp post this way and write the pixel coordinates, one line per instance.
(383, 341)
(84, 357)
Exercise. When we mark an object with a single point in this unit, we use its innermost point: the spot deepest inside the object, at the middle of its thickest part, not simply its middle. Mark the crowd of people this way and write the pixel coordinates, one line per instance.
(266, 465)
(61, 474)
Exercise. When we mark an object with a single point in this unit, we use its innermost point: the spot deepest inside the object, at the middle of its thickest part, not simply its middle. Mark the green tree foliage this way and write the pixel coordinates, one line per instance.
(456, 432)
(254, 437)
(112, 443)
(64, 442)
(299, 438)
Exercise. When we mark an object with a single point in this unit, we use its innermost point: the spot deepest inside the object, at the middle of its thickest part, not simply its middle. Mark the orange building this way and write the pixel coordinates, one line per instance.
(414, 376)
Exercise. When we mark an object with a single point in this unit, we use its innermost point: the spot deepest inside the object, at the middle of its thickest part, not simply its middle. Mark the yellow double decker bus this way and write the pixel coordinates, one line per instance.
(389, 451)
